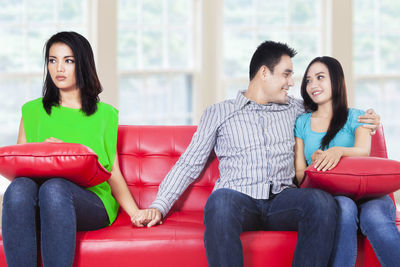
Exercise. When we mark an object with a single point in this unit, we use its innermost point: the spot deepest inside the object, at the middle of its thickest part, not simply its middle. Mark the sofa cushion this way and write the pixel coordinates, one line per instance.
(357, 177)
(74, 162)
(177, 242)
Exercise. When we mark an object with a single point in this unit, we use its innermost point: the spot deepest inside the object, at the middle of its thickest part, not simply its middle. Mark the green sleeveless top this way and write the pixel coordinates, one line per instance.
(97, 131)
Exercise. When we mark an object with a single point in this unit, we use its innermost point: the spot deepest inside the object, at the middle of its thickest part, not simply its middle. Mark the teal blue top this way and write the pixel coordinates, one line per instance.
(312, 140)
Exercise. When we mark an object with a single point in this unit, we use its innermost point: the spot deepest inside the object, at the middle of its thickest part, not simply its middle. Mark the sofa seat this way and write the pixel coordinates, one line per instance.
(177, 242)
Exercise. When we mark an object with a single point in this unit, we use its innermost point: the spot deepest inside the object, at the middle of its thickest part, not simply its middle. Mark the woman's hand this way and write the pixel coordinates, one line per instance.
(53, 140)
(142, 218)
(316, 155)
(328, 159)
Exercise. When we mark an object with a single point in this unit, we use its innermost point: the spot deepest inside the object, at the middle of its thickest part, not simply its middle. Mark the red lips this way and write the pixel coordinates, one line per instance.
(61, 78)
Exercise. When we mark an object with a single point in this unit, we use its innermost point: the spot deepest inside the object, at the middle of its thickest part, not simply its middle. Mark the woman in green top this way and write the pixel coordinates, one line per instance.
(69, 111)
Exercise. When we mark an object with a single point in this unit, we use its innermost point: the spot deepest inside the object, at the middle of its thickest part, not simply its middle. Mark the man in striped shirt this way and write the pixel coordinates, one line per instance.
(253, 139)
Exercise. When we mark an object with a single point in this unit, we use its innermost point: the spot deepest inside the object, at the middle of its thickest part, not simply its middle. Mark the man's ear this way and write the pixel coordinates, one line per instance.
(264, 72)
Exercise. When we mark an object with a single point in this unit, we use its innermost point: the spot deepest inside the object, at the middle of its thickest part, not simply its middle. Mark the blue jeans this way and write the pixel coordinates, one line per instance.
(63, 208)
(377, 223)
(311, 212)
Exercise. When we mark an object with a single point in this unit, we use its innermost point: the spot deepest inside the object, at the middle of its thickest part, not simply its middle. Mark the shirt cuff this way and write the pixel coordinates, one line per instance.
(161, 206)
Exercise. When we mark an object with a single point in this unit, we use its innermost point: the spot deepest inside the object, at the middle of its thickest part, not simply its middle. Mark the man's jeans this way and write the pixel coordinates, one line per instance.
(311, 212)
(63, 208)
(377, 223)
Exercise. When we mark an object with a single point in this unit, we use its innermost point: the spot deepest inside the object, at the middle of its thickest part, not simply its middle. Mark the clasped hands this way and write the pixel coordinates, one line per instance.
(146, 217)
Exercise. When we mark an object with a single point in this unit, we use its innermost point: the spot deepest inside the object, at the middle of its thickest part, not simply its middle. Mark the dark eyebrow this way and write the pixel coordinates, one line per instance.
(316, 74)
(64, 57)
(288, 71)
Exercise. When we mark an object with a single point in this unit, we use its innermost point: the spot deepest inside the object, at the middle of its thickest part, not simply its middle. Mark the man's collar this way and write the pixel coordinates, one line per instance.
(241, 100)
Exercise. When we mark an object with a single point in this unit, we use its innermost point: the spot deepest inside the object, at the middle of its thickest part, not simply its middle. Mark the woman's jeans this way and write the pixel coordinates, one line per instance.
(311, 212)
(377, 223)
(58, 208)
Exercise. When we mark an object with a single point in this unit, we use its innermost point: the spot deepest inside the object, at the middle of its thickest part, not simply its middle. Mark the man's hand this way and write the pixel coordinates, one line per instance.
(140, 218)
(156, 217)
(147, 217)
(372, 119)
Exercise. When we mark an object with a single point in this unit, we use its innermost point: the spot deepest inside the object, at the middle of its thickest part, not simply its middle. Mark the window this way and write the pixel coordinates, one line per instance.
(376, 65)
(156, 61)
(299, 23)
(24, 28)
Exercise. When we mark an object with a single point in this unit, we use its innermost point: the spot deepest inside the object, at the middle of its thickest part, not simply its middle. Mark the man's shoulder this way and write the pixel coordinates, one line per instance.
(222, 107)
(291, 100)
(295, 104)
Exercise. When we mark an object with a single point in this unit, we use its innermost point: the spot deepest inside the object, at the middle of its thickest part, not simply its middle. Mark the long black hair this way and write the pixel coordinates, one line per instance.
(85, 73)
(339, 97)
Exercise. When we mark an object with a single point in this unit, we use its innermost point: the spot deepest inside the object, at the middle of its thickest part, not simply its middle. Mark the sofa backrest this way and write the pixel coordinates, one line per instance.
(378, 144)
(147, 153)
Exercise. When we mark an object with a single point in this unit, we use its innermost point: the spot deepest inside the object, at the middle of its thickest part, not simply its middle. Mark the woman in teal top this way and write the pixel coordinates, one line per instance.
(69, 111)
(329, 132)
(345, 137)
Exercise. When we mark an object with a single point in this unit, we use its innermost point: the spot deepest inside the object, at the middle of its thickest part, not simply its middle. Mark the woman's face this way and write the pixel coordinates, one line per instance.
(318, 81)
(61, 66)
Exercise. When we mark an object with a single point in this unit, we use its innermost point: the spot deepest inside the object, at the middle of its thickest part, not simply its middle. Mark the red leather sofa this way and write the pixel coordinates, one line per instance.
(146, 154)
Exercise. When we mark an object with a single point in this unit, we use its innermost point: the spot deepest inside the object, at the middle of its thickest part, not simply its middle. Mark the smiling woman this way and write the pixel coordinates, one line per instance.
(329, 131)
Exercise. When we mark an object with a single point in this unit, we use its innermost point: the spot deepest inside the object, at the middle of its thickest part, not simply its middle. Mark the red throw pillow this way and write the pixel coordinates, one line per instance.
(74, 162)
(356, 177)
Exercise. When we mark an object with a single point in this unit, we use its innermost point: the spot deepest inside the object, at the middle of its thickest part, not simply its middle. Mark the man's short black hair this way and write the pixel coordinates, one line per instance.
(269, 54)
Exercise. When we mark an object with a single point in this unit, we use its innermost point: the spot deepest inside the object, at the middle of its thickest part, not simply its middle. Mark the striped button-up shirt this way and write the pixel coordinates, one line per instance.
(254, 145)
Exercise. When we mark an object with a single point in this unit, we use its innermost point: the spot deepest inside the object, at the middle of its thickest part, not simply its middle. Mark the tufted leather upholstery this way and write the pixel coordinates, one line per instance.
(146, 154)
(147, 159)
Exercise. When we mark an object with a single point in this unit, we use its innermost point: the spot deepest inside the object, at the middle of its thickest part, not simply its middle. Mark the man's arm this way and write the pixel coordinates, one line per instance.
(188, 167)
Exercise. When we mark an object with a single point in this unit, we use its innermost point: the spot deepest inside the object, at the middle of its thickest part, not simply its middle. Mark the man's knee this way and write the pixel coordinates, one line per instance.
(320, 205)
(219, 202)
(224, 206)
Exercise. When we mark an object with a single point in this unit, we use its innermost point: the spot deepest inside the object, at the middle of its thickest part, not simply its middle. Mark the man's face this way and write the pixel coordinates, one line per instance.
(277, 83)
